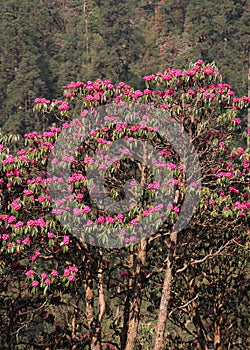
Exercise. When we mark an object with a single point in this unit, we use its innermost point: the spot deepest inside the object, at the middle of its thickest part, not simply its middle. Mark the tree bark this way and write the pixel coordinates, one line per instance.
(133, 299)
(217, 333)
(126, 314)
(166, 293)
(197, 321)
(136, 298)
(92, 321)
(86, 17)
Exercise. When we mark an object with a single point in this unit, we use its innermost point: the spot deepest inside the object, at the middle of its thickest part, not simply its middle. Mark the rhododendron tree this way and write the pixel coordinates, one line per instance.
(61, 251)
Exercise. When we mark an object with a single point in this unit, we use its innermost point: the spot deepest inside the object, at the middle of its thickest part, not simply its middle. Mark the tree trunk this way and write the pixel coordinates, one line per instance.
(217, 334)
(86, 17)
(101, 298)
(133, 299)
(124, 332)
(136, 298)
(197, 321)
(92, 321)
(166, 293)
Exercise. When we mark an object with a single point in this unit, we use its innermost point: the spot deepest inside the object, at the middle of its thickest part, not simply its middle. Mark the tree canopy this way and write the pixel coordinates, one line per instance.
(69, 278)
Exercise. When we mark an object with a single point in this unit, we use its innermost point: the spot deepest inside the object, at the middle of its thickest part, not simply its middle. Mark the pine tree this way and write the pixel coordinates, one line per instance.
(219, 32)
(117, 40)
(72, 40)
(27, 51)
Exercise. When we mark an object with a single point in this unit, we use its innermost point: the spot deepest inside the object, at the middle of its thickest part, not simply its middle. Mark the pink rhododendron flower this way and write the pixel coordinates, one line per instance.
(86, 209)
(15, 206)
(27, 192)
(153, 186)
(89, 160)
(66, 272)
(236, 120)
(19, 224)
(35, 283)
(73, 268)
(30, 273)
(65, 240)
(77, 211)
(171, 166)
(54, 160)
(42, 100)
(234, 190)
(100, 220)
(120, 217)
(170, 207)
(190, 73)
(89, 223)
(50, 235)
(27, 240)
(54, 273)
(64, 106)
(176, 209)
(240, 150)
(208, 70)
(40, 222)
(133, 222)
(109, 220)
(11, 219)
(5, 237)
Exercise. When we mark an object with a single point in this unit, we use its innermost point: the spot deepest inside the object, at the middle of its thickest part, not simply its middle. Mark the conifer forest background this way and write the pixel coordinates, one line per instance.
(46, 44)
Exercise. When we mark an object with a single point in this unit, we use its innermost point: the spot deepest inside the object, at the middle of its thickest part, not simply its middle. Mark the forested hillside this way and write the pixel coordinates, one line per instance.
(46, 44)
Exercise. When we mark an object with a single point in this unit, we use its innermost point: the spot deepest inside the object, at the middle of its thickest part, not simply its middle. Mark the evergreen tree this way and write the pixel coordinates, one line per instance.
(118, 41)
(53, 43)
(73, 41)
(27, 53)
(219, 32)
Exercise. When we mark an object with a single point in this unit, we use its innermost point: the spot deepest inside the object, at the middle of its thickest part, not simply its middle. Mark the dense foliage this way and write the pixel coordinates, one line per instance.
(172, 290)
(46, 44)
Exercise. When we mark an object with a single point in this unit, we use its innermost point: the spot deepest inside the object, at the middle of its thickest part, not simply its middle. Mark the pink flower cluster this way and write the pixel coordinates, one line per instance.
(45, 279)
(76, 177)
(42, 100)
(224, 174)
(157, 208)
(79, 212)
(10, 159)
(64, 106)
(15, 205)
(242, 206)
(154, 185)
(70, 273)
(36, 223)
